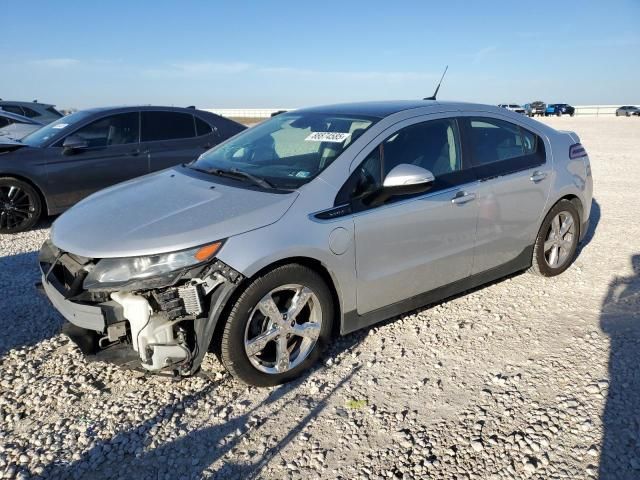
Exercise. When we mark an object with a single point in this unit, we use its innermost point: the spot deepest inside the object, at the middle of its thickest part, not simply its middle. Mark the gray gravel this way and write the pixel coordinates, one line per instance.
(526, 378)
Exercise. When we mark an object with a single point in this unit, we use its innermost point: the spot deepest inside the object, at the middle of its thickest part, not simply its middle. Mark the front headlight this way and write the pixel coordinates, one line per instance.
(161, 269)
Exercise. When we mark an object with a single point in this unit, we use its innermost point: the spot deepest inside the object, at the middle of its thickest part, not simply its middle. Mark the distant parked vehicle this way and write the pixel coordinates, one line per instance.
(58, 165)
(513, 107)
(535, 108)
(40, 112)
(628, 111)
(15, 127)
(559, 109)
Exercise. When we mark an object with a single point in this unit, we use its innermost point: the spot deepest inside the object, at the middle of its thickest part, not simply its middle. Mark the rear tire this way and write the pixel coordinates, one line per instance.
(20, 205)
(557, 240)
(288, 343)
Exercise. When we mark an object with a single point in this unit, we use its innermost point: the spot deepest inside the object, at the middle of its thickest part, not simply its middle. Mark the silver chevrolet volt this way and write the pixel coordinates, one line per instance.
(317, 222)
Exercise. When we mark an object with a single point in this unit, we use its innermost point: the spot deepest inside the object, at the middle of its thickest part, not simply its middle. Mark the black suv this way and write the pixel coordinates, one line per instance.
(58, 165)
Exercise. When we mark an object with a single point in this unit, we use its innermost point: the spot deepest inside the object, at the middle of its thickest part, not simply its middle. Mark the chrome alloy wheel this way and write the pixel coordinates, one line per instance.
(559, 241)
(16, 207)
(283, 329)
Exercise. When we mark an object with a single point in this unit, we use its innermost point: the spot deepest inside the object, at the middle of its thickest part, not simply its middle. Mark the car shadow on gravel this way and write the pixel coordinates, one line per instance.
(26, 317)
(191, 455)
(620, 320)
(594, 220)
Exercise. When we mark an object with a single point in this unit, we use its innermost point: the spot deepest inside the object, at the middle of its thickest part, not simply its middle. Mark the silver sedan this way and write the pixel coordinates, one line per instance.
(316, 222)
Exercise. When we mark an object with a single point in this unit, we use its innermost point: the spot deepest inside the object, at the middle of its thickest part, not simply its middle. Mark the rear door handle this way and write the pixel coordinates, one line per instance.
(538, 176)
(463, 197)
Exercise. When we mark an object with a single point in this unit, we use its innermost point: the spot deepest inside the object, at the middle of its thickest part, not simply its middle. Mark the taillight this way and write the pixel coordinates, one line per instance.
(577, 151)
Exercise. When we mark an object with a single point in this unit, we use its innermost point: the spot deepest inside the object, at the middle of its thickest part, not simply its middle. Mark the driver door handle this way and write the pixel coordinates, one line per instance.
(463, 197)
(538, 176)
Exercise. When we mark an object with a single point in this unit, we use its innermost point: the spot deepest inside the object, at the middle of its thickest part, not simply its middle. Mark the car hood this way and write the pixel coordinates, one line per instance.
(163, 212)
(9, 144)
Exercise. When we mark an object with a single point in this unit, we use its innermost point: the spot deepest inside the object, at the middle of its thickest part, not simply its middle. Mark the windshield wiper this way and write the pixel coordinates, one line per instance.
(242, 175)
(234, 173)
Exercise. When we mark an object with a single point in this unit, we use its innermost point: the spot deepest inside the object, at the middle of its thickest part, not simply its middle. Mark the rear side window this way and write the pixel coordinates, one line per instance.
(118, 129)
(166, 126)
(499, 147)
(30, 112)
(202, 127)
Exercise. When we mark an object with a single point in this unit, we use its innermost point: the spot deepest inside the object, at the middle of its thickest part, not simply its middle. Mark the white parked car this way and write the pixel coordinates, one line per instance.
(513, 107)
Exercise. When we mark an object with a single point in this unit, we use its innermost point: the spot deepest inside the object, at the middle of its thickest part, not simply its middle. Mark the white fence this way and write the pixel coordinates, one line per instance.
(581, 110)
(598, 110)
(245, 112)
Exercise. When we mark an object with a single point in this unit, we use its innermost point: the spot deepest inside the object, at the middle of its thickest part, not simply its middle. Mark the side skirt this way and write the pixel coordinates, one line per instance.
(352, 321)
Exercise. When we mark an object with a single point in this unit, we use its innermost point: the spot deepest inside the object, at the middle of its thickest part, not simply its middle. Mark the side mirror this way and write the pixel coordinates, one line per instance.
(73, 143)
(403, 179)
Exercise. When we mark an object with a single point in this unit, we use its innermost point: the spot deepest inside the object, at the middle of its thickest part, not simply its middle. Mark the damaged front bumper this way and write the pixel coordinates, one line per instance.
(167, 328)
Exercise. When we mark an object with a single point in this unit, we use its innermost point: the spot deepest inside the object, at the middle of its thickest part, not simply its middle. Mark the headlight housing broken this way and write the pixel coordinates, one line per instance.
(150, 271)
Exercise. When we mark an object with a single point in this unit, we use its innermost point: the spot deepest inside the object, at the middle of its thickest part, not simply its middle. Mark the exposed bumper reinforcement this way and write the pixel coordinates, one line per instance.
(85, 316)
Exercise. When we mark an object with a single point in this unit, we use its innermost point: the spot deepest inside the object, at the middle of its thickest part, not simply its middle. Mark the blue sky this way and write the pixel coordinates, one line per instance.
(295, 53)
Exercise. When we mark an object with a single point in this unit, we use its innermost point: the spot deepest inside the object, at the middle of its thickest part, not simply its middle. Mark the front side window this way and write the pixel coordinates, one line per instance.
(48, 133)
(499, 147)
(167, 126)
(432, 145)
(288, 150)
(13, 109)
(118, 129)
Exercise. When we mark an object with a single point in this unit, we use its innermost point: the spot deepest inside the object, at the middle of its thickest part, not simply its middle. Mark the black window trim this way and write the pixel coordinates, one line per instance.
(465, 176)
(497, 169)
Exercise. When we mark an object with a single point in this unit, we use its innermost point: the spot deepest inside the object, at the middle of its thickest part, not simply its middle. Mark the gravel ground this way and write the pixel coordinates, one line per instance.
(525, 378)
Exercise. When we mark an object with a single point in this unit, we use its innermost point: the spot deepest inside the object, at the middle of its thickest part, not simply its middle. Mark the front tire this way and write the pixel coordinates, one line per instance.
(20, 205)
(278, 326)
(557, 240)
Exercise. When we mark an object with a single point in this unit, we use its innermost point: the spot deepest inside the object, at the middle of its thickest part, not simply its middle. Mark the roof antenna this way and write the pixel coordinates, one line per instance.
(433, 97)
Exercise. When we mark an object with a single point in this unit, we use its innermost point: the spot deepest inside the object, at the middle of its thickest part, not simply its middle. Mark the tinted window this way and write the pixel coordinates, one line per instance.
(499, 147)
(113, 130)
(13, 109)
(29, 112)
(4, 121)
(202, 127)
(54, 111)
(433, 145)
(166, 126)
(495, 140)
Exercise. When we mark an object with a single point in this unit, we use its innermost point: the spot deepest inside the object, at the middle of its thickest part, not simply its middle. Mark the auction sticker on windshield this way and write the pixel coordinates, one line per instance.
(335, 137)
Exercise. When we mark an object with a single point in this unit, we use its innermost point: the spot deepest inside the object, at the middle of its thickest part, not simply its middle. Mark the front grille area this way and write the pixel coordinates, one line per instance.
(66, 272)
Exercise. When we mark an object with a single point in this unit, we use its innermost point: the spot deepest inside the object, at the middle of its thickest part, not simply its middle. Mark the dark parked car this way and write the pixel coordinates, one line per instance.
(56, 166)
(16, 126)
(559, 109)
(41, 112)
(535, 108)
(628, 111)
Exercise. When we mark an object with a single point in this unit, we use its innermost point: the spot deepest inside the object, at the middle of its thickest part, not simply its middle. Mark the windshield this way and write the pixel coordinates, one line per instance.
(288, 150)
(41, 136)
